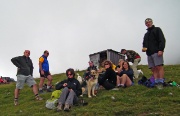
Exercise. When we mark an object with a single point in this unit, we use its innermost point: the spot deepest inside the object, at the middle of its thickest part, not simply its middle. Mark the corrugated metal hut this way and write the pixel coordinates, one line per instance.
(108, 54)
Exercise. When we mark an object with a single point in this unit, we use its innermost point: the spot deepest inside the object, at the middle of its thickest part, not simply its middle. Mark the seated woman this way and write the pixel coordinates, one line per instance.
(125, 77)
(71, 91)
(108, 79)
(119, 67)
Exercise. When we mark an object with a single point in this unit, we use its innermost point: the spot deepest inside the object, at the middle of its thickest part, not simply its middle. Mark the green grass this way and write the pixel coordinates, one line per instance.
(136, 100)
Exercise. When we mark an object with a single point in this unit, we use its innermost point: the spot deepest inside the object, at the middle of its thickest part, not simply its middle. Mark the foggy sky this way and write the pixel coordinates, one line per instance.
(72, 29)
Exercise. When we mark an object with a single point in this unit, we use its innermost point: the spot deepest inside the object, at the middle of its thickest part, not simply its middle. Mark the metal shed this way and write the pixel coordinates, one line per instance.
(108, 54)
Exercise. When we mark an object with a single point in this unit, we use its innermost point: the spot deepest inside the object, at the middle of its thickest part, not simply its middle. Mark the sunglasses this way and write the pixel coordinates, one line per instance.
(28, 52)
(69, 74)
(47, 53)
(106, 64)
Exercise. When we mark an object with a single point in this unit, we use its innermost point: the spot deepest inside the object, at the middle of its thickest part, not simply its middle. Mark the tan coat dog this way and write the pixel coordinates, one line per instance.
(92, 82)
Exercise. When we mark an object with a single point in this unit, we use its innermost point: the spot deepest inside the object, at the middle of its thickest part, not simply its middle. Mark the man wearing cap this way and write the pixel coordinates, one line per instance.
(133, 57)
(154, 44)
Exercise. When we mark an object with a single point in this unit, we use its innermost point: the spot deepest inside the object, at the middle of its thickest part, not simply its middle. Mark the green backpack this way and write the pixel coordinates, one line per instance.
(56, 94)
(53, 101)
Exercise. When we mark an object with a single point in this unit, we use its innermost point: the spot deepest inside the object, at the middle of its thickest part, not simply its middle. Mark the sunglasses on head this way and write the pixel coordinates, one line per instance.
(148, 20)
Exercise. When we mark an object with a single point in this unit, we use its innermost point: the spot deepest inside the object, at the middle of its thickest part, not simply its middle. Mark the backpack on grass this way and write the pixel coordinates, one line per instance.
(53, 101)
(147, 82)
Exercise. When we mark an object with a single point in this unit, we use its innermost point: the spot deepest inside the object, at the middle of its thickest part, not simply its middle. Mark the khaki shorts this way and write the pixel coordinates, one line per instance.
(155, 60)
(21, 79)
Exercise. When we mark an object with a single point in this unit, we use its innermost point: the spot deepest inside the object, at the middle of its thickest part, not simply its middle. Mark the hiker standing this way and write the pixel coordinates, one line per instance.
(44, 72)
(24, 75)
(154, 44)
(133, 57)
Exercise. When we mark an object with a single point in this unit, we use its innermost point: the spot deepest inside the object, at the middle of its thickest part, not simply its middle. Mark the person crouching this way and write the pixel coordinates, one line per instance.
(71, 91)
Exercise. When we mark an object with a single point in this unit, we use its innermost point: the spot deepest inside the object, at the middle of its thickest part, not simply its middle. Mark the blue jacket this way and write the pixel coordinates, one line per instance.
(128, 72)
(45, 64)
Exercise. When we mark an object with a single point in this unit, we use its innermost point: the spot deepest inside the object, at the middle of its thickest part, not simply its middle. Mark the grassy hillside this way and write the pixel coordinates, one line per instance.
(135, 100)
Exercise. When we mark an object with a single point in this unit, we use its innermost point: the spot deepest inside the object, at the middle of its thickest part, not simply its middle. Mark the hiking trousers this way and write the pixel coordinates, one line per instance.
(134, 67)
(68, 97)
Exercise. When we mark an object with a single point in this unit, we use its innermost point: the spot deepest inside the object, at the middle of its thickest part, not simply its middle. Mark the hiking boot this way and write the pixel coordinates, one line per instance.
(15, 102)
(38, 98)
(49, 90)
(41, 91)
(159, 85)
(59, 107)
(66, 107)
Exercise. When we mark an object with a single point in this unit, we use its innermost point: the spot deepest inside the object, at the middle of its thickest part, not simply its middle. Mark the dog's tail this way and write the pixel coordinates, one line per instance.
(140, 71)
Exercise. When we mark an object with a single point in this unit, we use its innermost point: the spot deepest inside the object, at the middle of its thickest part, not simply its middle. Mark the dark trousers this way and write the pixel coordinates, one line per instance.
(105, 83)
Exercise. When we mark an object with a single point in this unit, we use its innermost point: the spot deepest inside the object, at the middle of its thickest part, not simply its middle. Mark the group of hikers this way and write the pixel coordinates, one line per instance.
(4, 81)
(120, 76)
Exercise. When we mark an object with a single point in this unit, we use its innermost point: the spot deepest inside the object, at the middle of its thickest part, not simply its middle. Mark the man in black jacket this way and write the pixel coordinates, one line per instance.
(86, 75)
(71, 91)
(24, 75)
(154, 44)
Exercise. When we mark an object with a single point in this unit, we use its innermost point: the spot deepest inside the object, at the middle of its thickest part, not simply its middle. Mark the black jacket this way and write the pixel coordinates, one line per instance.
(154, 40)
(24, 64)
(110, 75)
(71, 84)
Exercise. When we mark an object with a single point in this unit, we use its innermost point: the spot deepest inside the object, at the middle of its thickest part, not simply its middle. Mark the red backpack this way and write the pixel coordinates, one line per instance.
(1, 80)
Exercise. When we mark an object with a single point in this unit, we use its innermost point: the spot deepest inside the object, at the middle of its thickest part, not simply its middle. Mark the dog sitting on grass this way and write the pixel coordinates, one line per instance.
(89, 84)
(79, 78)
(92, 82)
